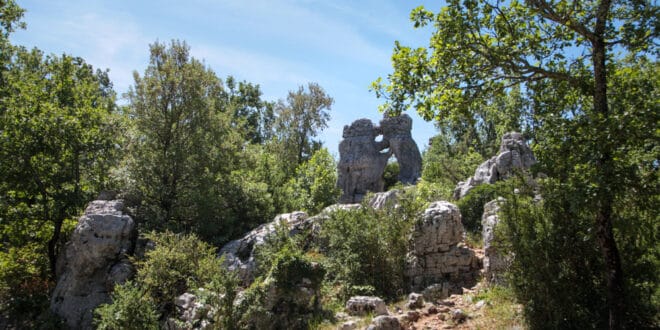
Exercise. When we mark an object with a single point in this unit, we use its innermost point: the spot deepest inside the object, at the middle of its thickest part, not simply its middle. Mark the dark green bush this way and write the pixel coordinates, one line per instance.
(472, 206)
(131, 309)
(366, 248)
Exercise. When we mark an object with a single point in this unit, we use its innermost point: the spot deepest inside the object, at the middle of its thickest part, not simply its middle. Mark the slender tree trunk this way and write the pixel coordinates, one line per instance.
(605, 170)
(52, 247)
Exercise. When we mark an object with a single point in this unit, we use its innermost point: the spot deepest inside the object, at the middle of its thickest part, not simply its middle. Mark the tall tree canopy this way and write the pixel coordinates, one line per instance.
(58, 134)
(298, 120)
(480, 49)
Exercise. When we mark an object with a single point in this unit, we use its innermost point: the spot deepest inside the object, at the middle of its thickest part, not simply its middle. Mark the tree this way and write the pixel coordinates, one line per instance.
(299, 120)
(482, 48)
(58, 135)
(250, 112)
(182, 140)
(315, 184)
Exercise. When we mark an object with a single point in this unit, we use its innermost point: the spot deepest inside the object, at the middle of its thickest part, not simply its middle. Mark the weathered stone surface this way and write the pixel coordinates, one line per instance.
(361, 163)
(385, 322)
(239, 254)
(397, 131)
(362, 159)
(93, 261)
(363, 305)
(382, 200)
(514, 154)
(495, 263)
(415, 301)
(437, 254)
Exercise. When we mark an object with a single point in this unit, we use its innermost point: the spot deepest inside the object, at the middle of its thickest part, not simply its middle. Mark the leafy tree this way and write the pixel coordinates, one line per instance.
(315, 184)
(298, 121)
(58, 130)
(250, 112)
(482, 48)
(184, 139)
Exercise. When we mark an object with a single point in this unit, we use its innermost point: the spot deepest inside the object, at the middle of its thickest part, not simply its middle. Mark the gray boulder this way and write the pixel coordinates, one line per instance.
(385, 322)
(514, 155)
(93, 261)
(239, 254)
(363, 305)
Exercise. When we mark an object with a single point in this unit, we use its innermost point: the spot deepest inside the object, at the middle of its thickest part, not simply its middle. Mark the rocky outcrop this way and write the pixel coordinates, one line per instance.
(437, 254)
(397, 132)
(495, 263)
(361, 163)
(94, 260)
(514, 154)
(362, 159)
(239, 254)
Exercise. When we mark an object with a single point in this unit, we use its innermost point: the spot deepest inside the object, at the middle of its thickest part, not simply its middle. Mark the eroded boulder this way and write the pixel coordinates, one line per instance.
(93, 261)
(363, 305)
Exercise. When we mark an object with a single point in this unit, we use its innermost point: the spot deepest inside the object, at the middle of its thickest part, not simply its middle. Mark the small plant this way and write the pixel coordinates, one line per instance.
(131, 309)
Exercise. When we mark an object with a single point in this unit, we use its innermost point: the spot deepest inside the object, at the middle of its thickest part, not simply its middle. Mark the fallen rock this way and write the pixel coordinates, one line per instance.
(93, 261)
(385, 322)
(458, 315)
(415, 301)
(363, 305)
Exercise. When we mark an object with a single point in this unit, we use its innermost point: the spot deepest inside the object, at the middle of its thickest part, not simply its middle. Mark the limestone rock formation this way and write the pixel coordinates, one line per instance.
(397, 132)
(361, 163)
(514, 154)
(362, 159)
(437, 254)
(495, 263)
(94, 260)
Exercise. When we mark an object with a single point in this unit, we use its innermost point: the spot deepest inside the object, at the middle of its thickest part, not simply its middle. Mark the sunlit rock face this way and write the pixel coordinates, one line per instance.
(93, 261)
(514, 155)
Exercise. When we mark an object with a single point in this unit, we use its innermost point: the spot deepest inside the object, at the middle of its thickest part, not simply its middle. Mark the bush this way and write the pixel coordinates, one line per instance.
(367, 248)
(472, 206)
(131, 309)
(177, 264)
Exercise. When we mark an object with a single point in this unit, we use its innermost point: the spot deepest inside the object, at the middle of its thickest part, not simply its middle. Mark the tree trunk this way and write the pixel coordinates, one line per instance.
(52, 247)
(605, 170)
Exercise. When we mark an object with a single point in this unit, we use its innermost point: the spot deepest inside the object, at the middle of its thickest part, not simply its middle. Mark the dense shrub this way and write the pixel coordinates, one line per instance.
(472, 205)
(131, 310)
(366, 248)
(177, 264)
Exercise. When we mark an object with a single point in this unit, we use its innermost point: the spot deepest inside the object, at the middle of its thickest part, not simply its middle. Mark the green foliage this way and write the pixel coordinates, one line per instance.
(131, 309)
(472, 205)
(366, 248)
(390, 175)
(176, 264)
(274, 299)
(314, 185)
(297, 121)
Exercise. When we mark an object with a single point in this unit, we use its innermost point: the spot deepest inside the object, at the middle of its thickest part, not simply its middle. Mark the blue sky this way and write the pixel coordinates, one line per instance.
(278, 44)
